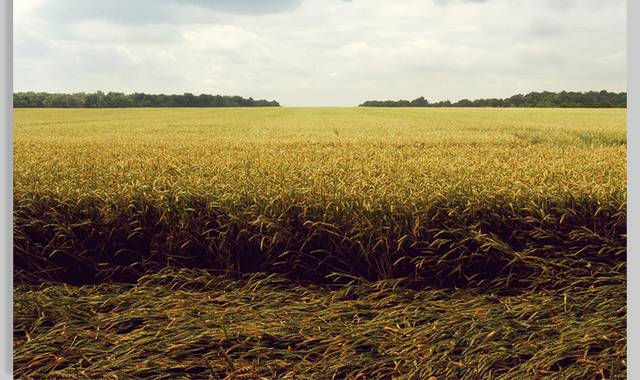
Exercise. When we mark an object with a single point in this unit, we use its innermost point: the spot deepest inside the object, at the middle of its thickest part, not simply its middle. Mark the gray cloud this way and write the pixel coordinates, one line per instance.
(447, 2)
(546, 28)
(583, 4)
(156, 11)
(30, 46)
(321, 52)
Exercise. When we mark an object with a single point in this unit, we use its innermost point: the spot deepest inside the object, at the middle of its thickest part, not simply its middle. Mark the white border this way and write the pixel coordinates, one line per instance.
(633, 188)
(6, 188)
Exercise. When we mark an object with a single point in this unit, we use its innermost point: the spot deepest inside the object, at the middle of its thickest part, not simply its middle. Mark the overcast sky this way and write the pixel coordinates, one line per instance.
(321, 52)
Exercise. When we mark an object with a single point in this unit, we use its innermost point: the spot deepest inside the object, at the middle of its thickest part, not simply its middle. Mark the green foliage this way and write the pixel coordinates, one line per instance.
(119, 100)
(564, 99)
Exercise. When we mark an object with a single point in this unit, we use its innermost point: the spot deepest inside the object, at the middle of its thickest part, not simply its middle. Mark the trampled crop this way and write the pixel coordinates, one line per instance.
(500, 201)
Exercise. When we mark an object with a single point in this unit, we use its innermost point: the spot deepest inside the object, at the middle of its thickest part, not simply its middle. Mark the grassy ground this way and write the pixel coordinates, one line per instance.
(454, 243)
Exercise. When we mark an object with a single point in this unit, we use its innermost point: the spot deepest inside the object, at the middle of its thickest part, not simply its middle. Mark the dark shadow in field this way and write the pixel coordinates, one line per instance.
(534, 245)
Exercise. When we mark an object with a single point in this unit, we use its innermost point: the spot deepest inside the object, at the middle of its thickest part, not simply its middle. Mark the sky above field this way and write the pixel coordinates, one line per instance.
(321, 52)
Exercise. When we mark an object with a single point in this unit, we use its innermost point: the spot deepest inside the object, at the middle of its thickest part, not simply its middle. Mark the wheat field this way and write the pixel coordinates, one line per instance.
(374, 223)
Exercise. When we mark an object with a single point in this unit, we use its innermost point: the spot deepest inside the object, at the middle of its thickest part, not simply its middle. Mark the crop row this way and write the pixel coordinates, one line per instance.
(508, 198)
(544, 244)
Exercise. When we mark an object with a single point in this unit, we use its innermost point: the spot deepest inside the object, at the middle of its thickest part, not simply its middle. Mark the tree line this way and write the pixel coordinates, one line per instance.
(564, 99)
(120, 100)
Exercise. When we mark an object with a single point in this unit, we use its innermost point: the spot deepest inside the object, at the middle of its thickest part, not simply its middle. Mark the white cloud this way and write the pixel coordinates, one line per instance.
(323, 52)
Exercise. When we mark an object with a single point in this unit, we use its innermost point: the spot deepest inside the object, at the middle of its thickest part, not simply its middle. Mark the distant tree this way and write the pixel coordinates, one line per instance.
(419, 102)
(120, 100)
(590, 99)
(464, 103)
